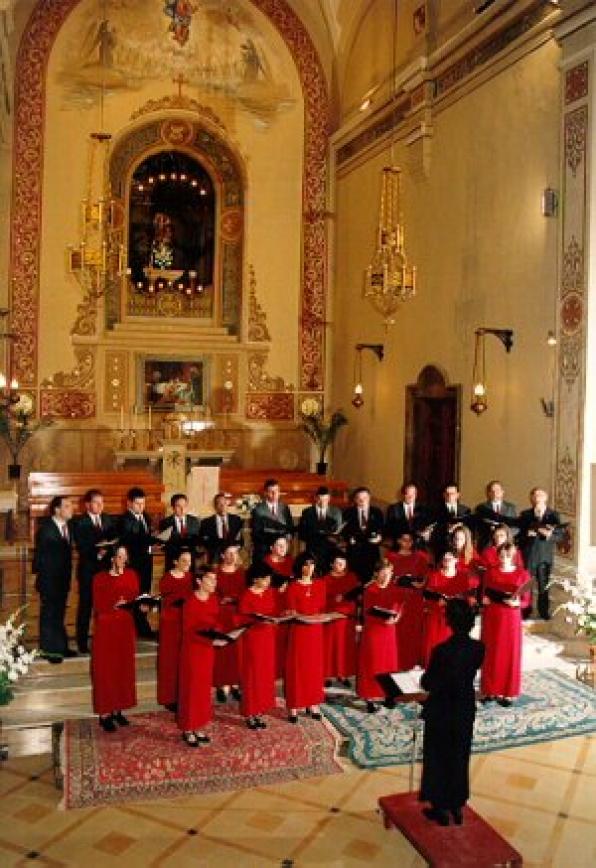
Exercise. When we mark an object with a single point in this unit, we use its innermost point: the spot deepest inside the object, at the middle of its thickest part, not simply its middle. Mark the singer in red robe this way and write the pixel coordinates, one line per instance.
(502, 629)
(197, 657)
(258, 651)
(282, 566)
(113, 674)
(407, 561)
(452, 581)
(231, 584)
(304, 683)
(490, 555)
(378, 643)
(340, 636)
(175, 586)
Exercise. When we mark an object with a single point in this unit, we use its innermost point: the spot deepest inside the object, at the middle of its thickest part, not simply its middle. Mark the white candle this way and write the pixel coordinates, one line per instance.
(121, 417)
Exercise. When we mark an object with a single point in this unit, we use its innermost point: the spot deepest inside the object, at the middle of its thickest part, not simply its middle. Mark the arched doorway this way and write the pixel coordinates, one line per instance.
(432, 442)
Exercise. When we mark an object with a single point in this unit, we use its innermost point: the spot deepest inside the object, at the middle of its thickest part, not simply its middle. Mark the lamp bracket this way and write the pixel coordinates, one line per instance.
(504, 335)
(377, 349)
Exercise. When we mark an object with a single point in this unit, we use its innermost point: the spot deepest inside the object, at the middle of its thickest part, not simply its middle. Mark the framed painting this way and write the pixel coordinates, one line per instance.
(172, 383)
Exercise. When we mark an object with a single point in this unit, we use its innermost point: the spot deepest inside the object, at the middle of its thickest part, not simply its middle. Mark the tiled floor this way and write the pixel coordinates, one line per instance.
(542, 798)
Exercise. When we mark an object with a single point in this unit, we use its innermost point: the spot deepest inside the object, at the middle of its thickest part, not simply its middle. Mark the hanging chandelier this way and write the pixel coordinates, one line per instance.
(390, 279)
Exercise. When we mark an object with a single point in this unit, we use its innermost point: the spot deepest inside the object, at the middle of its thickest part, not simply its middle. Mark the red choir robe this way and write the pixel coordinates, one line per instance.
(378, 643)
(490, 558)
(197, 655)
(340, 636)
(113, 670)
(305, 676)
(409, 626)
(170, 635)
(502, 635)
(283, 568)
(435, 628)
(258, 653)
(228, 659)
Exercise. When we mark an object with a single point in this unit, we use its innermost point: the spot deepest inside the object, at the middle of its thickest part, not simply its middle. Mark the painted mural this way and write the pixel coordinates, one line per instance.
(209, 46)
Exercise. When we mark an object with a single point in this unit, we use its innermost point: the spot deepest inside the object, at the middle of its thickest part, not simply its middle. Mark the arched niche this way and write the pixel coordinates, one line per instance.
(221, 303)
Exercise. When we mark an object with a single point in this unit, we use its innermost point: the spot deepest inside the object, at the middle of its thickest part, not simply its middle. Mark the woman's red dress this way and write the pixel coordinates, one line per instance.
(113, 673)
(502, 636)
(172, 590)
(409, 626)
(284, 568)
(435, 628)
(228, 658)
(378, 643)
(195, 707)
(490, 558)
(258, 653)
(340, 636)
(304, 684)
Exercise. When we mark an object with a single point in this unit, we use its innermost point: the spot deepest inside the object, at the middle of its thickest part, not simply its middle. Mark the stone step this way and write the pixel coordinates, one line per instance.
(57, 694)
(146, 656)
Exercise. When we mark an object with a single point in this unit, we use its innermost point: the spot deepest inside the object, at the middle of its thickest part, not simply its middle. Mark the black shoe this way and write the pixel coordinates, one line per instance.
(236, 694)
(458, 816)
(316, 715)
(328, 682)
(70, 653)
(83, 650)
(252, 723)
(486, 699)
(171, 706)
(107, 723)
(436, 815)
(293, 718)
(190, 739)
(202, 739)
(504, 702)
(261, 723)
(51, 658)
(221, 695)
(345, 682)
(371, 707)
(120, 719)
(389, 703)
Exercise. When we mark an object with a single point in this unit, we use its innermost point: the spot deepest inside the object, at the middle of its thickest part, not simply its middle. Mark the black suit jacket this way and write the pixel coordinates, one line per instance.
(177, 542)
(444, 522)
(314, 533)
(52, 558)
(485, 511)
(396, 522)
(449, 680)
(353, 532)
(215, 544)
(536, 549)
(86, 537)
(266, 528)
(137, 540)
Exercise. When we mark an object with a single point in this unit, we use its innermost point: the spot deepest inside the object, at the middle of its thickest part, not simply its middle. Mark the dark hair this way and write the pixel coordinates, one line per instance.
(451, 484)
(134, 493)
(218, 496)
(381, 564)
(56, 502)
(302, 559)
(176, 497)
(258, 570)
(269, 483)
(504, 527)
(490, 484)
(93, 492)
(322, 489)
(407, 485)
(361, 489)
(459, 615)
(202, 571)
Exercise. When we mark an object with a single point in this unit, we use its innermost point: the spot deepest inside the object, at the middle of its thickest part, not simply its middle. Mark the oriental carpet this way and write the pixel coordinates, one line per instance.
(148, 760)
(552, 706)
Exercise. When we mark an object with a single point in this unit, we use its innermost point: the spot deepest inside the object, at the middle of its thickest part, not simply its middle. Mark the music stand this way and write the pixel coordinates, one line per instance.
(394, 694)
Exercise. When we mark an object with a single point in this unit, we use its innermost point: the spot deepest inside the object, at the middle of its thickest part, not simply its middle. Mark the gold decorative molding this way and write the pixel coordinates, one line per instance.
(115, 381)
(82, 376)
(257, 318)
(174, 102)
(258, 378)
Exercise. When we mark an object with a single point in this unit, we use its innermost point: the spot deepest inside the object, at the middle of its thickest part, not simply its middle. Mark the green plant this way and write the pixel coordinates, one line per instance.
(16, 429)
(321, 432)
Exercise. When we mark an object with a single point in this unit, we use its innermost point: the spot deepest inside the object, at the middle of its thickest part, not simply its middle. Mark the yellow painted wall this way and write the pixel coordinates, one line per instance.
(486, 257)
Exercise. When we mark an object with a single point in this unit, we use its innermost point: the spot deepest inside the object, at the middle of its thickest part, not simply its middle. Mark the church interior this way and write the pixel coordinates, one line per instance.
(339, 243)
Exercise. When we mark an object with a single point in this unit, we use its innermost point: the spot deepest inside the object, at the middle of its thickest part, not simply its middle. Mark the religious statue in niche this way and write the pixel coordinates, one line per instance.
(181, 12)
(171, 231)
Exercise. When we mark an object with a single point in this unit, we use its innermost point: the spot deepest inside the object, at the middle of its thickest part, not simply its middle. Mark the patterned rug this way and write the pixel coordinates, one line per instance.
(552, 706)
(148, 760)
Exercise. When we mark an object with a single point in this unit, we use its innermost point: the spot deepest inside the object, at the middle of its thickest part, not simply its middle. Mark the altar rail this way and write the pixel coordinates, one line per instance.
(296, 486)
(113, 485)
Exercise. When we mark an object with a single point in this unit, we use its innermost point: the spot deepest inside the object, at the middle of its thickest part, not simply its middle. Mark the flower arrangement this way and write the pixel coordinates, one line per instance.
(580, 609)
(15, 660)
(16, 428)
(247, 502)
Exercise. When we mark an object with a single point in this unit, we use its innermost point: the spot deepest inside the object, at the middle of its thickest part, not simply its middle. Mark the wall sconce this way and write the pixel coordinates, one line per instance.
(548, 408)
(551, 338)
(550, 202)
(479, 401)
(379, 351)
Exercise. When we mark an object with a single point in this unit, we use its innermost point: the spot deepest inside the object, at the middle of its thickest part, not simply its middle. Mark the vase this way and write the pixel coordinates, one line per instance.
(14, 471)
(6, 692)
(321, 468)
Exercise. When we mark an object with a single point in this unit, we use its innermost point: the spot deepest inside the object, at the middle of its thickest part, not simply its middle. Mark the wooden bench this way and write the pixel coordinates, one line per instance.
(112, 484)
(296, 486)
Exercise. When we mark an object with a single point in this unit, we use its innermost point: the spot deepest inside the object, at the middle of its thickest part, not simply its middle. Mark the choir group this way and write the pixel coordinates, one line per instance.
(367, 595)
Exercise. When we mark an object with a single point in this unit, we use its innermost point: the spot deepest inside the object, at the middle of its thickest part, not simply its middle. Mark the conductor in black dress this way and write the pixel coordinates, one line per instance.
(185, 531)
(448, 716)
(52, 565)
(90, 529)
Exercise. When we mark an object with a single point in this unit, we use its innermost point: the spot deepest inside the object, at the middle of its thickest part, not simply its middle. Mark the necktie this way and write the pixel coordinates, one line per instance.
(362, 519)
(498, 508)
(141, 520)
(64, 532)
(224, 526)
(409, 513)
(97, 522)
(183, 526)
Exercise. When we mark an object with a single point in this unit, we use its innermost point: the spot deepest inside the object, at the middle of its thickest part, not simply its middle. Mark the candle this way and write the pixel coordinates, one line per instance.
(14, 384)
(150, 417)
(104, 256)
(134, 417)
(121, 417)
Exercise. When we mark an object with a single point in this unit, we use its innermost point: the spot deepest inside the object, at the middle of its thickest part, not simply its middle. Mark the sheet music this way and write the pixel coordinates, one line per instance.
(408, 682)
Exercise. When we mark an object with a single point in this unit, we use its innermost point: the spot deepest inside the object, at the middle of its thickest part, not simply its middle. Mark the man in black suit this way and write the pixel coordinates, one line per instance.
(363, 532)
(318, 528)
(90, 529)
(407, 515)
(494, 509)
(220, 530)
(135, 535)
(539, 531)
(185, 531)
(446, 516)
(270, 519)
(52, 564)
